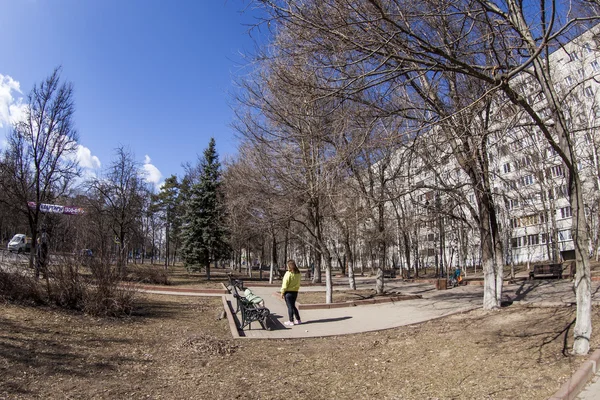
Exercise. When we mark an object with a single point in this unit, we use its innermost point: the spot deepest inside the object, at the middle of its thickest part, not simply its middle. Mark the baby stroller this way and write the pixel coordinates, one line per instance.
(455, 279)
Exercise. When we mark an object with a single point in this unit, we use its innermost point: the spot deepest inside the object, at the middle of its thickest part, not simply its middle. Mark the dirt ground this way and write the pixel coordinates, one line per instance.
(175, 347)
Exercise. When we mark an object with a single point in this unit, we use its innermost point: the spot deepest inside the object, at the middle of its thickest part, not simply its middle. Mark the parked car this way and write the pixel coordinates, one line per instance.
(19, 243)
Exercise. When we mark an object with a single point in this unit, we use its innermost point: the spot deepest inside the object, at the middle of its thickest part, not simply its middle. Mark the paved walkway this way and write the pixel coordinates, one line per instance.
(592, 390)
(364, 318)
(373, 317)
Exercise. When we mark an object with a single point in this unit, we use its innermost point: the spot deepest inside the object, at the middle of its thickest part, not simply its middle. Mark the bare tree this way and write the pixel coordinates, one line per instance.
(494, 43)
(39, 163)
(120, 199)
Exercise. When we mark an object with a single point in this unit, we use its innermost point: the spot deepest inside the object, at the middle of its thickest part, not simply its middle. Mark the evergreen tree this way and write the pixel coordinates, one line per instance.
(203, 232)
(167, 202)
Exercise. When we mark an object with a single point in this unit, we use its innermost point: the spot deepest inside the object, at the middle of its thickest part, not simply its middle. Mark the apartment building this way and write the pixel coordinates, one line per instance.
(528, 178)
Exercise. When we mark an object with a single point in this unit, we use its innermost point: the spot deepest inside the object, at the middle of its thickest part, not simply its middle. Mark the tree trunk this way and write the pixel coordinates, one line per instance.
(328, 280)
(583, 283)
(381, 261)
(492, 262)
(350, 267)
(207, 266)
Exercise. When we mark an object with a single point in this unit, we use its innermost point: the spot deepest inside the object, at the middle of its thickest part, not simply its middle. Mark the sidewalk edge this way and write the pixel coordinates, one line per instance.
(227, 307)
(571, 388)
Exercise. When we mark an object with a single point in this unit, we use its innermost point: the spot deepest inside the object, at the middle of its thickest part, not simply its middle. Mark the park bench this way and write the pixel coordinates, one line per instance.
(389, 273)
(279, 273)
(546, 271)
(250, 312)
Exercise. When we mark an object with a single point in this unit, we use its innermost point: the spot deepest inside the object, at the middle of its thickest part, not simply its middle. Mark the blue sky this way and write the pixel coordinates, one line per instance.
(154, 76)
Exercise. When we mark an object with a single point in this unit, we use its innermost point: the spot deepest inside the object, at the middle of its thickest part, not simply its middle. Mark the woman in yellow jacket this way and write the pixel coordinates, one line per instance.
(289, 291)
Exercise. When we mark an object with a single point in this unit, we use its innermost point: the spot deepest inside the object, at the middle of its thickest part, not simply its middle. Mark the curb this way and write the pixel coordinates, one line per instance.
(229, 313)
(571, 388)
(180, 289)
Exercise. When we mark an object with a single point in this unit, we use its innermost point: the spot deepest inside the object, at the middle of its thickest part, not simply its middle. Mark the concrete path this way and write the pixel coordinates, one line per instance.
(592, 390)
(373, 317)
(363, 318)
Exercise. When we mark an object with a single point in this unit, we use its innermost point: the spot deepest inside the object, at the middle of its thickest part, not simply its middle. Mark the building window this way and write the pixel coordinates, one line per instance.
(529, 220)
(544, 238)
(543, 217)
(564, 235)
(574, 56)
(580, 73)
(569, 80)
(595, 66)
(518, 242)
(588, 91)
(557, 170)
(587, 47)
(561, 191)
(506, 168)
(565, 212)
(533, 240)
(527, 180)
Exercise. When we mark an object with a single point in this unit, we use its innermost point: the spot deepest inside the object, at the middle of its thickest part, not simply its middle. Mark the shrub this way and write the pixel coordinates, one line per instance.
(100, 294)
(148, 274)
(20, 287)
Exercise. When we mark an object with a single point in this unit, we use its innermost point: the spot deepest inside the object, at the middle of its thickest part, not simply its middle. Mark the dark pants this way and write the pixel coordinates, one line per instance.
(290, 301)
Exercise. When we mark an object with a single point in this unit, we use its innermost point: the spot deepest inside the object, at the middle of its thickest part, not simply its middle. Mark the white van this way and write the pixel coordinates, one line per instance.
(19, 243)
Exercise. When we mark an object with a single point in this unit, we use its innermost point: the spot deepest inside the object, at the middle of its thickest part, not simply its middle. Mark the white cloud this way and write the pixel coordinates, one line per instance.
(86, 159)
(151, 173)
(12, 108)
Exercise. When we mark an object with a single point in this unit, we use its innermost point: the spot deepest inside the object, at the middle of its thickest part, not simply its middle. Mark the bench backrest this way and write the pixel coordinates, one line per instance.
(547, 269)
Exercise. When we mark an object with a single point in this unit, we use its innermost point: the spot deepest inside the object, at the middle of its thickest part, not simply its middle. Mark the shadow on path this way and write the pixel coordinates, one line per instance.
(325, 320)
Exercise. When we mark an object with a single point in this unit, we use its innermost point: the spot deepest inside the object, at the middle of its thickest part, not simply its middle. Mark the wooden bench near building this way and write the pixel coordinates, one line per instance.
(544, 271)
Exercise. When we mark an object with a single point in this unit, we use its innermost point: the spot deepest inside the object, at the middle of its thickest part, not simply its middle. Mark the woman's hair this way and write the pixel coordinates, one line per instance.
(291, 264)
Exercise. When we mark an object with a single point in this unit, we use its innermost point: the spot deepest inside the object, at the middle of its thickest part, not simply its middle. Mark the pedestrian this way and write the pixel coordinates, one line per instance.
(289, 292)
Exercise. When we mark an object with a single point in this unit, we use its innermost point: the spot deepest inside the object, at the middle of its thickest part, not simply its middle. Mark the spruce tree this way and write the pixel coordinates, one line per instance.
(167, 202)
(204, 233)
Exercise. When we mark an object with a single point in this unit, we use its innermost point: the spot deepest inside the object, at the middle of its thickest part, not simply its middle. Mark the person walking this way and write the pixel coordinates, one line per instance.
(289, 292)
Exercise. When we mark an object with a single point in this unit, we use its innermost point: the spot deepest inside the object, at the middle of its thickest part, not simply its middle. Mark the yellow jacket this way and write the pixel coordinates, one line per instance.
(291, 282)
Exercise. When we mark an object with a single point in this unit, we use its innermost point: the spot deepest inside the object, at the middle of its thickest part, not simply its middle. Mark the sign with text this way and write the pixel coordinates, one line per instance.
(57, 209)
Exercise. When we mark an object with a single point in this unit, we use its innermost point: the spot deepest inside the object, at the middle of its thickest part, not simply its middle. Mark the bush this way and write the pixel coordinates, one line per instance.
(193, 268)
(148, 274)
(21, 288)
(100, 294)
